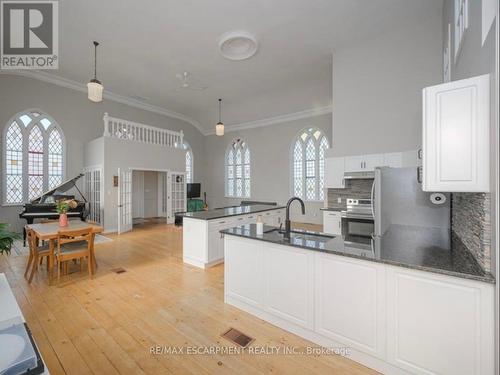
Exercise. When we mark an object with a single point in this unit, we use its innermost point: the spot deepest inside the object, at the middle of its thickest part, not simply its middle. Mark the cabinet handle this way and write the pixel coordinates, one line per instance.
(339, 224)
(240, 219)
(361, 165)
(419, 154)
(419, 175)
(222, 222)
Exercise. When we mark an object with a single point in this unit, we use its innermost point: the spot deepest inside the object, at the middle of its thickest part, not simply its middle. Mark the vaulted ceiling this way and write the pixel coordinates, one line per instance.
(145, 43)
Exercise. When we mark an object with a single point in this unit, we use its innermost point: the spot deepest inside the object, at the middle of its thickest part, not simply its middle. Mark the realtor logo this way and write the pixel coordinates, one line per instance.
(29, 34)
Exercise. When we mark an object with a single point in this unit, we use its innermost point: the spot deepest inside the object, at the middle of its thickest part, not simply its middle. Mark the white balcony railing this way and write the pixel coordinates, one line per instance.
(133, 131)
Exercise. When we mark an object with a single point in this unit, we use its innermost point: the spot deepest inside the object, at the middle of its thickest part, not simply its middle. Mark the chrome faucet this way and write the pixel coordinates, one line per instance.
(287, 218)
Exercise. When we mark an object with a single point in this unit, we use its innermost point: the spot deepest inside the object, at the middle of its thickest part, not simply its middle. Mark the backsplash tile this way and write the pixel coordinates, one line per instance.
(353, 189)
(471, 222)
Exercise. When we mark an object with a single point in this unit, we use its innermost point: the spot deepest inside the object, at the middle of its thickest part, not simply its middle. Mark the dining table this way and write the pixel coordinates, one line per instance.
(50, 230)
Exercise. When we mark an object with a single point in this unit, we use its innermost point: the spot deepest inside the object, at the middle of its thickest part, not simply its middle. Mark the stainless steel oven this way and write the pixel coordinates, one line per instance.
(357, 220)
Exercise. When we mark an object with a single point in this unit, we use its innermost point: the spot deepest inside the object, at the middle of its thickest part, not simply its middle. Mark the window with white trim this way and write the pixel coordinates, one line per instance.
(461, 23)
(238, 169)
(308, 164)
(189, 162)
(33, 158)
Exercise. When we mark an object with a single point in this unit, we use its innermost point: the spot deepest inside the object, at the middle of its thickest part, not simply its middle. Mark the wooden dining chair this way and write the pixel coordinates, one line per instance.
(74, 244)
(93, 252)
(36, 254)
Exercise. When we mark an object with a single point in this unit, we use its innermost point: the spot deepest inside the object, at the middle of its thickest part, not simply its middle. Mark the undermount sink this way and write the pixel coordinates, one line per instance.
(12, 347)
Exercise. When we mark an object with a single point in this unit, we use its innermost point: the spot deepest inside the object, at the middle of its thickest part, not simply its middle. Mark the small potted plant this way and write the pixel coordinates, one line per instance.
(62, 208)
(6, 238)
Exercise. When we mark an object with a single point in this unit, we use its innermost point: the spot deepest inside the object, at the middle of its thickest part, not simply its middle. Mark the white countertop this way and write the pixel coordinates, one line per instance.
(10, 309)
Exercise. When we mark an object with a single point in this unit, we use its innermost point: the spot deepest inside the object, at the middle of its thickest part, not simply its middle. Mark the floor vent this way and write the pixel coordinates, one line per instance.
(119, 270)
(237, 337)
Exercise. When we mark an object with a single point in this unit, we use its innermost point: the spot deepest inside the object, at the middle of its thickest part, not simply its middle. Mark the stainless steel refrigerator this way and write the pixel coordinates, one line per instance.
(398, 199)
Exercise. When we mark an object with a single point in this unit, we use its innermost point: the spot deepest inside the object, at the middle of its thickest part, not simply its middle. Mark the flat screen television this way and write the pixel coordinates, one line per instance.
(193, 190)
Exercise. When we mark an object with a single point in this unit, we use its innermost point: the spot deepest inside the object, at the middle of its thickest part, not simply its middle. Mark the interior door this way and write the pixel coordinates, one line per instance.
(124, 201)
(162, 194)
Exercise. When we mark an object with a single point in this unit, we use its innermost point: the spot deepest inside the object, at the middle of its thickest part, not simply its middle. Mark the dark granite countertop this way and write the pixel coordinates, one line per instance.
(426, 249)
(229, 211)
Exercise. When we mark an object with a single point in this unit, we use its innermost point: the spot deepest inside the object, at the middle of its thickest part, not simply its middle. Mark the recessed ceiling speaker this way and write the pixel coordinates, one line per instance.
(238, 45)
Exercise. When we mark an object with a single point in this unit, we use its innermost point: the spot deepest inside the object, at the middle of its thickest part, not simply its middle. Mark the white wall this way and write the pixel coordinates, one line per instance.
(81, 122)
(124, 155)
(476, 58)
(270, 149)
(377, 85)
(137, 194)
(150, 194)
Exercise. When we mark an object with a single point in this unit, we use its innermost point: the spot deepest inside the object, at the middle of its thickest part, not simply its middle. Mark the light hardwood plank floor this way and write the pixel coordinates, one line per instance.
(108, 324)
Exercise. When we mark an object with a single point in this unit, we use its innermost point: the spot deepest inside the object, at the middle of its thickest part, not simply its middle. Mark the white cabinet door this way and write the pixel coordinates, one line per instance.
(373, 160)
(354, 163)
(439, 325)
(268, 218)
(332, 223)
(456, 136)
(289, 288)
(334, 173)
(363, 163)
(244, 271)
(393, 160)
(350, 302)
(213, 246)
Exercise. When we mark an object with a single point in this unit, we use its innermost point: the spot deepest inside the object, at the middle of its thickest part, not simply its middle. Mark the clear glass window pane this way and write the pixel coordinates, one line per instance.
(247, 187)
(238, 169)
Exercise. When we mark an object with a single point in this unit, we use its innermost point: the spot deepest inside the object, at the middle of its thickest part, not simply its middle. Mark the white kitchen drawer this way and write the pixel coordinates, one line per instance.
(332, 222)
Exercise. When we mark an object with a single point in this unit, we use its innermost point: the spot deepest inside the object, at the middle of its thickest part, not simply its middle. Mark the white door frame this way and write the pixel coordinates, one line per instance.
(124, 201)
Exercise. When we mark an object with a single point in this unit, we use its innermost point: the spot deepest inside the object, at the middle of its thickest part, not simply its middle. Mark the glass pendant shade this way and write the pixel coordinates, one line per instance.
(219, 129)
(95, 89)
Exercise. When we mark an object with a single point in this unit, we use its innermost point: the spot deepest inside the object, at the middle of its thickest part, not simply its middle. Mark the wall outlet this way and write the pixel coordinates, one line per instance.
(339, 200)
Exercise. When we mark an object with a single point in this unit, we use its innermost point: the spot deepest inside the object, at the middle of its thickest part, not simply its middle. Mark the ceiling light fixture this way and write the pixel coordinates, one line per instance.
(238, 45)
(219, 128)
(95, 87)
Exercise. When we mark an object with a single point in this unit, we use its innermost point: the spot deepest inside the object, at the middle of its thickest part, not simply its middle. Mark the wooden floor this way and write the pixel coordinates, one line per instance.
(107, 325)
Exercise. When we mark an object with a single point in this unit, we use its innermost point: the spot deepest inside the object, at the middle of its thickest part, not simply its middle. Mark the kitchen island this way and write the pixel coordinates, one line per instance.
(203, 244)
(406, 302)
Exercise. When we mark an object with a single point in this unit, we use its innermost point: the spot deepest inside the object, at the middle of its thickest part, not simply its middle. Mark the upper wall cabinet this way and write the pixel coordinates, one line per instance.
(456, 146)
(363, 163)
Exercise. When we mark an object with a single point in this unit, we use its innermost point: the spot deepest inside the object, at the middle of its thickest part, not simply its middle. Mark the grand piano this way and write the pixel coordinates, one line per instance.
(44, 206)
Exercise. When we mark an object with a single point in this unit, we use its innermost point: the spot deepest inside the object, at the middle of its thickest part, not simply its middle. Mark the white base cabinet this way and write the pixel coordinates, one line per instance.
(394, 320)
(349, 304)
(332, 223)
(203, 244)
(439, 325)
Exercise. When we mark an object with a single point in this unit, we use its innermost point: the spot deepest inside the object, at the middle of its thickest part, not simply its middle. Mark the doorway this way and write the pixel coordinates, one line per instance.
(149, 197)
(148, 204)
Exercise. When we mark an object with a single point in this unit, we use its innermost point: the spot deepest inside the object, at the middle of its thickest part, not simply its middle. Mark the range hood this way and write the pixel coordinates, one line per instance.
(359, 175)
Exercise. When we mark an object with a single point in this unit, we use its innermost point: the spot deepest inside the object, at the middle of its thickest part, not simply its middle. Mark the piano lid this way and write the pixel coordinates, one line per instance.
(64, 187)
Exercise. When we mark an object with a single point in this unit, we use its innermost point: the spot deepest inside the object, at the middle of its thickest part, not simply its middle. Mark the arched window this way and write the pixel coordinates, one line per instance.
(238, 169)
(308, 164)
(189, 162)
(34, 156)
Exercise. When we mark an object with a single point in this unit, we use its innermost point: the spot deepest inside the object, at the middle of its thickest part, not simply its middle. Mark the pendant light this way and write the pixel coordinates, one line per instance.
(95, 87)
(219, 128)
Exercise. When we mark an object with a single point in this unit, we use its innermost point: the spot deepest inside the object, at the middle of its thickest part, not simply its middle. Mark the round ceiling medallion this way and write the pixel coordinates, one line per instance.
(237, 45)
